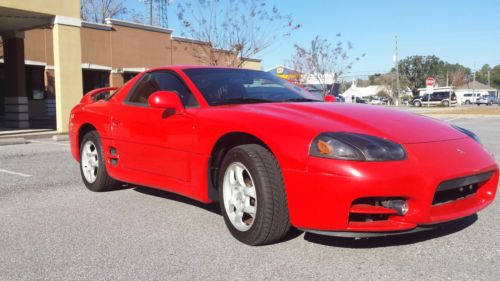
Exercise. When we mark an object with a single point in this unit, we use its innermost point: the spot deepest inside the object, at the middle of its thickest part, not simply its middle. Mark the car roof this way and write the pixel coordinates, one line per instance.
(183, 67)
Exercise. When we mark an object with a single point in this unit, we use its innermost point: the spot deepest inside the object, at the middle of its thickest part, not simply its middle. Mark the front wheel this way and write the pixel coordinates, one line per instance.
(252, 195)
(446, 103)
(417, 104)
(92, 166)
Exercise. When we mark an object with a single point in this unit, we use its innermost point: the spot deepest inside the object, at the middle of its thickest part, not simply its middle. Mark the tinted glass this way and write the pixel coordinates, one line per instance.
(161, 81)
(231, 86)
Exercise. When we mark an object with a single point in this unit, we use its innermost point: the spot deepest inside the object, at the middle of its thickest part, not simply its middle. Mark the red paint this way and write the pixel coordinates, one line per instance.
(330, 98)
(172, 152)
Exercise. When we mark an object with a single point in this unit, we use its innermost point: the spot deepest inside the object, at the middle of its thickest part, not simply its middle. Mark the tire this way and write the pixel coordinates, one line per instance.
(446, 103)
(467, 102)
(94, 174)
(262, 188)
(417, 103)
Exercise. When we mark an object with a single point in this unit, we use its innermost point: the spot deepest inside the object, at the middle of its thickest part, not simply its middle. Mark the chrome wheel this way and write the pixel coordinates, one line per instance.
(240, 196)
(90, 161)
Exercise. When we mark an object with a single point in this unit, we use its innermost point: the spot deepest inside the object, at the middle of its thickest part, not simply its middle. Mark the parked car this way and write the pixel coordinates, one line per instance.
(437, 98)
(470, 98)
(274, 156)
(486, 100)
(378, 101)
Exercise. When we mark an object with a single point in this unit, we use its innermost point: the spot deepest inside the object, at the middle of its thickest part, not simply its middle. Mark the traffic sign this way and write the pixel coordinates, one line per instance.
(429, 82)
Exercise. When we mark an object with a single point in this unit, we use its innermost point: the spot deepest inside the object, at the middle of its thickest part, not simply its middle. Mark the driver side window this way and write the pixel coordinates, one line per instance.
(161, 81)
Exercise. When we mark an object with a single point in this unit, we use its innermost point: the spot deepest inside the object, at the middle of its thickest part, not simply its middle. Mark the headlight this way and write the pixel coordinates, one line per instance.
(468, 133)
(351, 146)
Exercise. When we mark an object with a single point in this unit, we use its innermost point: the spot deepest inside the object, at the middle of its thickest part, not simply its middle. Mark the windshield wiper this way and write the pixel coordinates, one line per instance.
(299, 100)
(240, 100)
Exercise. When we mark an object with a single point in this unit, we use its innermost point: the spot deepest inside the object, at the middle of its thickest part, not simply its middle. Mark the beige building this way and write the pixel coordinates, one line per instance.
(50, 58)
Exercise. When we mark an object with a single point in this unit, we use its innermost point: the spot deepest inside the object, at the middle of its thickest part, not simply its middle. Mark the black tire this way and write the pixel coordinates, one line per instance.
(446, 103)
(103, 182)
(467, 102)
(417, 103)
(271, 221)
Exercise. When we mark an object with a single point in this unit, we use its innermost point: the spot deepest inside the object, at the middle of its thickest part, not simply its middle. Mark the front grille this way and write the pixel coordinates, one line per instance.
(456, 189)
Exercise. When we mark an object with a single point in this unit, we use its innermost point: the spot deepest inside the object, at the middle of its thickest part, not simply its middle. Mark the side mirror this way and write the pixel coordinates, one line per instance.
(166, 100)
(330, 98)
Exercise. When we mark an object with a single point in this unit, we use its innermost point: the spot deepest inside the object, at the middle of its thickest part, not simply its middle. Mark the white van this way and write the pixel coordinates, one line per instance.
(470, 98)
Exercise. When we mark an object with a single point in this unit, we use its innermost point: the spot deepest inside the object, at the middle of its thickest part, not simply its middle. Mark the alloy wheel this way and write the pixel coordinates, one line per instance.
(240, 196)
(90, 161)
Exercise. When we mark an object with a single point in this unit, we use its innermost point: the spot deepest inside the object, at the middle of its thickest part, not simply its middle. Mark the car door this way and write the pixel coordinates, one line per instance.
(153, 140)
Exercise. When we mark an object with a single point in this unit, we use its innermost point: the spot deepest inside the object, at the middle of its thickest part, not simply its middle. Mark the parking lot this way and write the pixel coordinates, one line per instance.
(53, 228)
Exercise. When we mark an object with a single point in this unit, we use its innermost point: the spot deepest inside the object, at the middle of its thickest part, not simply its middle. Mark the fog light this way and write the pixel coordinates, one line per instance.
(399, 206)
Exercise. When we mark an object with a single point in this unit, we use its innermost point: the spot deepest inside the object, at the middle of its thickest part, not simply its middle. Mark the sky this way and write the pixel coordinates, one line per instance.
(457, 31)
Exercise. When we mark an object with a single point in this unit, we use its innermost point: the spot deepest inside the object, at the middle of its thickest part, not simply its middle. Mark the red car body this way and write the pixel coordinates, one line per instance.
(174, 153)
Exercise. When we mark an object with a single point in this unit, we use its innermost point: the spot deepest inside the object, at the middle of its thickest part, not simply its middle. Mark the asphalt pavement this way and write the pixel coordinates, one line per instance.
(53, 228)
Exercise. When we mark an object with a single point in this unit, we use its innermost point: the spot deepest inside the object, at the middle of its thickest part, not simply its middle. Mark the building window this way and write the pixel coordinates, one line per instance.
(94, 79)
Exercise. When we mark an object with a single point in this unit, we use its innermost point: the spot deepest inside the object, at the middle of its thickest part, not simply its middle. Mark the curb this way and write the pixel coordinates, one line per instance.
(11, 141)
(60, 138)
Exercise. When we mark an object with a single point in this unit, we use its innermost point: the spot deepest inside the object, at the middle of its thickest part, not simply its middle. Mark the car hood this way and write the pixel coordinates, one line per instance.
(396, 125)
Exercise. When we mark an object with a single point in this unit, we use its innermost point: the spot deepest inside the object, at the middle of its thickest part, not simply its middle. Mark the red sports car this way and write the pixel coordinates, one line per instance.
(275, 156)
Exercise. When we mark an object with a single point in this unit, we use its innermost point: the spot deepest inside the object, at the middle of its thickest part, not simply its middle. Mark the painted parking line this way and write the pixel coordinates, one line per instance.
(452, 119)
(15, 173)
(47, 142)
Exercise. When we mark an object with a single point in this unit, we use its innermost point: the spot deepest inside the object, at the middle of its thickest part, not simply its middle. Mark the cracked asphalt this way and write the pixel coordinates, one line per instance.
(53, 228)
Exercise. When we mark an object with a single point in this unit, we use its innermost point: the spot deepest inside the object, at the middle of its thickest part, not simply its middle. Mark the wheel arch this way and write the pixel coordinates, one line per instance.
(225, 143)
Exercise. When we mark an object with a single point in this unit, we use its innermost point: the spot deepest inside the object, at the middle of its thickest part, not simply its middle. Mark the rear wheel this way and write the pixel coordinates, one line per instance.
(92, 166)
(446, 103)
(467, 102)
(252, 195)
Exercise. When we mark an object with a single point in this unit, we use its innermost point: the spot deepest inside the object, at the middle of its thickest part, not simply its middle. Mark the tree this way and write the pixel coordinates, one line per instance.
(99, 10)
(415, 69)
(495, 77)
(457, 74)
(233, 29)
(323, 60)
(482, 74)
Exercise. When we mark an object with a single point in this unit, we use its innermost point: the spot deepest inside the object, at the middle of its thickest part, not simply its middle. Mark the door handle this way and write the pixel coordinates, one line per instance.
(115, 123)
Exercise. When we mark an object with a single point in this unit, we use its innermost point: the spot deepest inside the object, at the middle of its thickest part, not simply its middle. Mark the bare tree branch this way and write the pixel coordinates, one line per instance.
(234, 29)
(323, 61)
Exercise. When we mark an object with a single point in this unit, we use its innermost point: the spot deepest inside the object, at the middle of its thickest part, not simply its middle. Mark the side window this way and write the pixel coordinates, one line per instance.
(161, 81)
(170, 82)
(143, 89)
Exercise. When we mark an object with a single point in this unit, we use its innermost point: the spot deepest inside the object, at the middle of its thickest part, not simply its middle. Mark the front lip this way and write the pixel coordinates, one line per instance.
(417, 229)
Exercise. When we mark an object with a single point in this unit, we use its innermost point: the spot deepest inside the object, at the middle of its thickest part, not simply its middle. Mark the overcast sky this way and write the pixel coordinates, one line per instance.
(458, 31)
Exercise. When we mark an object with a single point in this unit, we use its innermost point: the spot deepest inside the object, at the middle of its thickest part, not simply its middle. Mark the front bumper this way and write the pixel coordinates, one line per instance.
(321, 199)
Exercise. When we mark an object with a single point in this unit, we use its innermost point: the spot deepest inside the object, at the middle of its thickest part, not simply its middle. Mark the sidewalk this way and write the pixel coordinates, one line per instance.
(10, 136)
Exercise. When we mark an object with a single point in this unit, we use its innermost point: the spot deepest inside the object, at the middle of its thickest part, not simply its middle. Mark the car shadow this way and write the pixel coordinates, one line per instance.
(342, 242)
(396, 240)
(212, 207)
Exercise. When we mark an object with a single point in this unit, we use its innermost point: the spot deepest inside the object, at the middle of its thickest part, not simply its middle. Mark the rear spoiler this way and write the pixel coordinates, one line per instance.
(91, 96)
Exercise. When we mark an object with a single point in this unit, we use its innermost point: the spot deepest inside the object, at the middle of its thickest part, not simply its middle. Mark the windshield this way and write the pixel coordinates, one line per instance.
(234, 86)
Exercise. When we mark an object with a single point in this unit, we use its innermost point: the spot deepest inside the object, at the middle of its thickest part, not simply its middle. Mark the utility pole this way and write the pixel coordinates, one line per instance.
(396, 62)
(489, 77)
(474, 82)
(150, 12)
